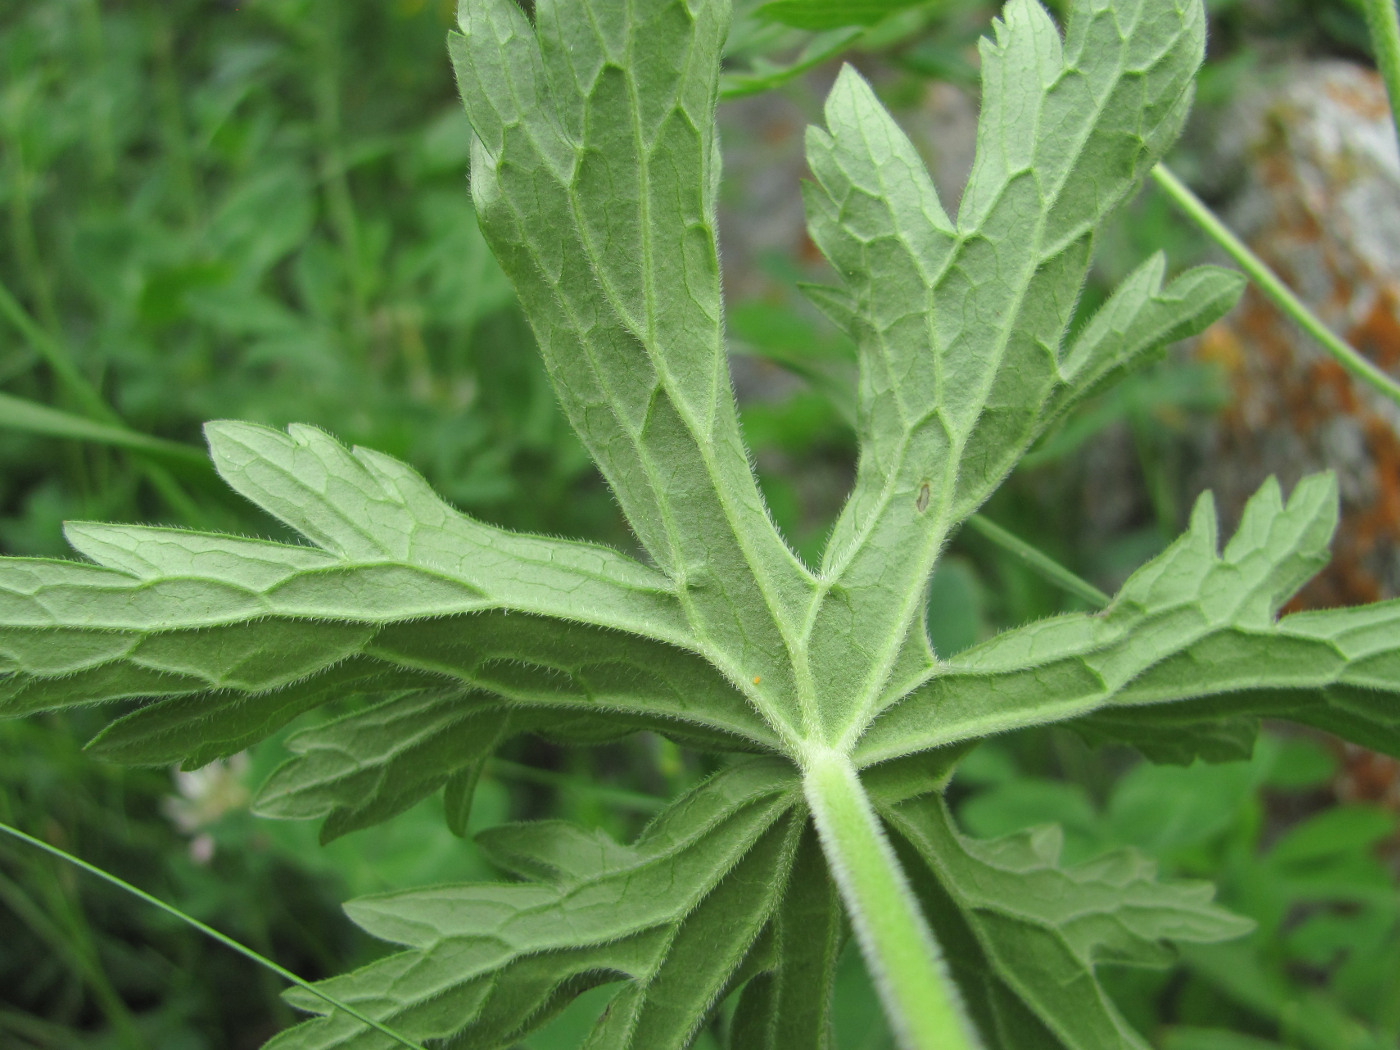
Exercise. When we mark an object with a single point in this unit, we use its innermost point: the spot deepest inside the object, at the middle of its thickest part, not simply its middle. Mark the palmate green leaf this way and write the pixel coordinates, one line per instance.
(594, 169)
(787, 1000)
(528, 661)
(728, 890)
(961, 325)
(1025, 934)
(236, 637)
(1193, 628)
(374, 763)
(1172, 735)
(437, 637)
(700, 904)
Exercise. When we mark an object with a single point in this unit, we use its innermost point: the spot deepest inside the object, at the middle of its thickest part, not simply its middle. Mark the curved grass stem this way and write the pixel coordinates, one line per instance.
(209, 931)
(1037, 561)
(1271, 285)
(1383, 22)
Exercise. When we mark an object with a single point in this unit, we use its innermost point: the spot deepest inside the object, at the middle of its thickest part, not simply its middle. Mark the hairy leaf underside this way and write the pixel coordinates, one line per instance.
(594, 172)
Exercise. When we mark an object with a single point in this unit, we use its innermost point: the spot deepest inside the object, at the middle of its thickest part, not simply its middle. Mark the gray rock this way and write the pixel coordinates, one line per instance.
(1318, 199)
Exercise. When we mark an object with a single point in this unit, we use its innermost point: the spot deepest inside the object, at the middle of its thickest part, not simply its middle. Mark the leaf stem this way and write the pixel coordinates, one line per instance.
(904, 959)
(766, 76)
(1271, 285)
(209, 931)
(1037, 560)
(1383, 21)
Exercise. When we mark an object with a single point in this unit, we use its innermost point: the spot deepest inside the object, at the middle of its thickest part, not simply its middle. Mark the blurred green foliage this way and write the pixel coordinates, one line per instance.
(257, 209)
(1322, 969)
(253, 210)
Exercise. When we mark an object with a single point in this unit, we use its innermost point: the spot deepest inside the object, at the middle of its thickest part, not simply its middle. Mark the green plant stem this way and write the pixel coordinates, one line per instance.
(822, 48)
(1037, 560)
(1271, 285)
(209, 931)
(1383, 21)
(899, 948)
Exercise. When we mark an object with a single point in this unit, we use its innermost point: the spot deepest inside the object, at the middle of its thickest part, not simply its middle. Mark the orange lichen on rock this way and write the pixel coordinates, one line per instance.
(1320, 204)
(1377, 335)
